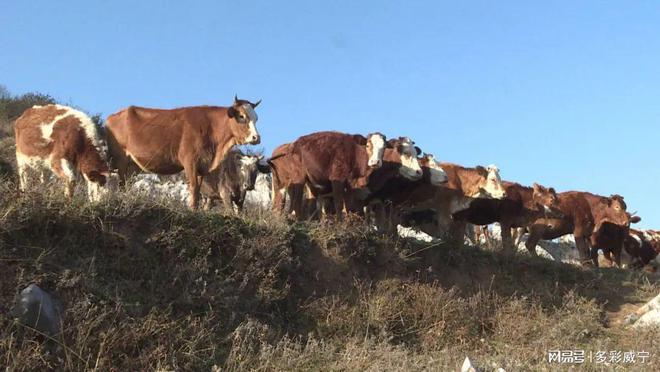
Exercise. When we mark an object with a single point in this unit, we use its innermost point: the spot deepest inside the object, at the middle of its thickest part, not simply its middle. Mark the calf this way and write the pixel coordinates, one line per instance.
(232, 180)
(583, 214)
(519, 208)
(64, 141)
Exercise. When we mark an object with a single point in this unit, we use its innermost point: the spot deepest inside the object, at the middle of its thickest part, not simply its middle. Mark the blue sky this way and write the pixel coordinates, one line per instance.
(564, 93)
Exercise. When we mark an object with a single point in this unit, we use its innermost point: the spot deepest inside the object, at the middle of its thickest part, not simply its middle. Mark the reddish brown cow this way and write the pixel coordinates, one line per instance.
(287, 179)
(584, 215)
(333, 161)
(193, 139)
(64, 141)
(521, 207)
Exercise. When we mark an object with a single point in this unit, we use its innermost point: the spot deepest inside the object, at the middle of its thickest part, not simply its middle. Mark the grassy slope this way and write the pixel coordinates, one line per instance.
(150, 284)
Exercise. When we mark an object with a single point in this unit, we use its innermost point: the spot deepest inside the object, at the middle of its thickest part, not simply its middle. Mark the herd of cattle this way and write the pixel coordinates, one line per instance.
(389, 182)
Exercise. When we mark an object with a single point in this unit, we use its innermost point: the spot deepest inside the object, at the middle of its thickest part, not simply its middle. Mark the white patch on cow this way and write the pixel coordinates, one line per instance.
(67, 168)
(410, 168)
(248, 160)
(378, 148)
(86, 124)
(637, 239)
(438, 175)
(252, 116)
(26, 165)
(494, 187)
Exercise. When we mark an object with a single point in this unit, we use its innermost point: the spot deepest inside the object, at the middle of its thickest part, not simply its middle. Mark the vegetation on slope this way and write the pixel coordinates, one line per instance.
(149, 284)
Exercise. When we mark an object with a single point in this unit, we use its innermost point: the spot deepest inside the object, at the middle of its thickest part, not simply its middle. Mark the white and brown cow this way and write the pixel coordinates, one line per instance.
(62, 140)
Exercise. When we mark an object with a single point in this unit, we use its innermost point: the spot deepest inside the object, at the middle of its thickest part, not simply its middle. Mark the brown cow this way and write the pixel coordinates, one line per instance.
(328, 161)
(399, 161)
(584, 215)
(64, 141)
(287, 179)
(521, 207)
(194, 139)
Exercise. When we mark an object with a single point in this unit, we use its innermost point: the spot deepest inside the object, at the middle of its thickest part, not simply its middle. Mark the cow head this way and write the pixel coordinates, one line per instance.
(436, 175)
(405, 153)
(545, 199)
(490, 186)
(243, 120)
(248, 170)
(375, 149)
(613, 211)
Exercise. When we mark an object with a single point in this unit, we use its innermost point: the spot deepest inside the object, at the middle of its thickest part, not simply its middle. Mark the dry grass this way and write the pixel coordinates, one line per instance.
(147, 284)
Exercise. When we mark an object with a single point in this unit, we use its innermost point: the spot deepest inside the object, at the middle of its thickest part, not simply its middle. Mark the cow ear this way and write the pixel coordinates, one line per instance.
(536, 186)
(231, 112)
(360, 139)
(419, 151)
(635, 219)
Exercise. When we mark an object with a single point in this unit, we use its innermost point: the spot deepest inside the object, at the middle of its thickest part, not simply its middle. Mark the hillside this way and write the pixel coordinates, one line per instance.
(148, 284)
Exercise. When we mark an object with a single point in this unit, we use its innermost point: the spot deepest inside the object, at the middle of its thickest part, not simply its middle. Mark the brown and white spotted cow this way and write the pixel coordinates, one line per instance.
(194, 139)
(64, 141)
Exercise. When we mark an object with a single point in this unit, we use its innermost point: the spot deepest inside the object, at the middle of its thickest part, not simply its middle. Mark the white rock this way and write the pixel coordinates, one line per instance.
(36, 308)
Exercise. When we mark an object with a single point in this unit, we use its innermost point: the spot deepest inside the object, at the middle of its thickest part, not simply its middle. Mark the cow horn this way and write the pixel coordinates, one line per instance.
(256, 104)
(235, 98)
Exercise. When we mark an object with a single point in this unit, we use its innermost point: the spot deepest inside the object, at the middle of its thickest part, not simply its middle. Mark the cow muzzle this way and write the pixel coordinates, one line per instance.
(253, 139)
(375, 164)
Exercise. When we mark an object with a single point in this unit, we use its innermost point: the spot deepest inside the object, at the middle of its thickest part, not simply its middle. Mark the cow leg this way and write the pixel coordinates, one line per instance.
(64, 170)
(295, 194)
(584, 251)
(23, 172)
(193, 184)
(338, 198)
(535, 234)
(457, 232)
(608, 256)
(507, 239)
(594, 256)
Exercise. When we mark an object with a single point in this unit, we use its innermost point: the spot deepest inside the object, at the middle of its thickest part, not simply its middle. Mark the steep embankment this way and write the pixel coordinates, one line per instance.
(148, 284)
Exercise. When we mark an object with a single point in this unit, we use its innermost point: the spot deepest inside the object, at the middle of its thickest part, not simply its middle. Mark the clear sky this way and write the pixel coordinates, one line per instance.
(564, 93)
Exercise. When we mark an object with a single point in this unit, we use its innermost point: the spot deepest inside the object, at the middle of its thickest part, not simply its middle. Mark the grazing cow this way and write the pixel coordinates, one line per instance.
(642, 245)
(193, 139)
(64, 141)
(584, 215)
(232, 180)
(519, 208)
(329, 161)
(386, 201)
(463, 186)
